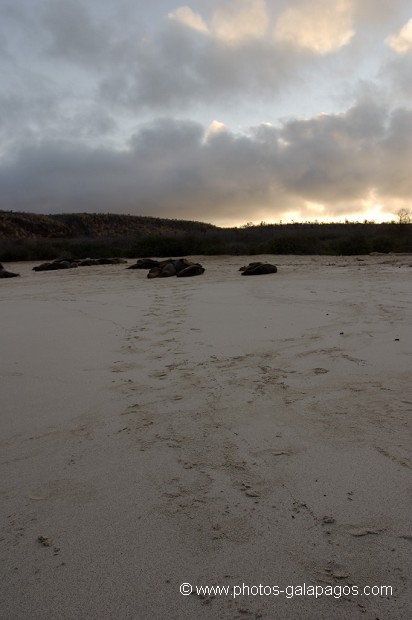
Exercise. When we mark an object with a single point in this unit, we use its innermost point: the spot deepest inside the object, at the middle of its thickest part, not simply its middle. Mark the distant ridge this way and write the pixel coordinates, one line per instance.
(21, 225)
(29, 236)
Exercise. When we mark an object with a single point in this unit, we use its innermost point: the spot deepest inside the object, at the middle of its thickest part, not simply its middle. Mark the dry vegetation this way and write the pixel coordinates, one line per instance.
(26, 236)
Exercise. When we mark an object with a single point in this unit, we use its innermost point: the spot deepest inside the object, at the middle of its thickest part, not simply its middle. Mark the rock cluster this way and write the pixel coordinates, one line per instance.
(258, 269)
(7, 274)
(180, 267)
(61, 263)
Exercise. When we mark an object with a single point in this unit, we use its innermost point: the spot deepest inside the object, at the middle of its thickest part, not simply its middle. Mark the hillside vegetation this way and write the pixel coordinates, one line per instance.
(16, 225)
(28, 236)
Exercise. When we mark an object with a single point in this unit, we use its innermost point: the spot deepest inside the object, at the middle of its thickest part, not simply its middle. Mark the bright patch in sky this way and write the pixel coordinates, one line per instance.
(186, 16)
(240, 21)
(215, 127)
(402, 42)
(320, 26)
(234, 22)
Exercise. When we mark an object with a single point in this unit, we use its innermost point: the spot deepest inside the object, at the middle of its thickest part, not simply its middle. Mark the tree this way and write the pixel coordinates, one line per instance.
(404, 216)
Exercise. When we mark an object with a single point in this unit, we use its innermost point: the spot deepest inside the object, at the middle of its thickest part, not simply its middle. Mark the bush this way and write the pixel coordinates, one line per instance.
(329, 239)
(354, 244)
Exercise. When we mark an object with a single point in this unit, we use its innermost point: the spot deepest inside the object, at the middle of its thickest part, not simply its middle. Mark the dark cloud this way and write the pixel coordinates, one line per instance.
(396, 73)
(396, 152)
(74, 34)
(176, 169)
(181, 67)
(25, 111)
(333, 157)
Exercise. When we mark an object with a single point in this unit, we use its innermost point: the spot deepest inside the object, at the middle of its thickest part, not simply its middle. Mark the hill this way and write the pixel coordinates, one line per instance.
(19, 225)
(27, 236)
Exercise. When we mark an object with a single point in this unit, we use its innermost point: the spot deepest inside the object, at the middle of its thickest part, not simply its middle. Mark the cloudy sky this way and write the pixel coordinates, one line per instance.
(224, 111)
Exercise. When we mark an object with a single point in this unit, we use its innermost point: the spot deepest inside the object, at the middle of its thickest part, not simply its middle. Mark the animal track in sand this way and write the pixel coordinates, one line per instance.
(80, 432)
(356, 360)
(64, 489)
(273, 452)
(17, 527)
(331, 574)
(159, 374)
(233, 529)
(210, 513)
(404, 462)
(334, 353)
(121, 366)
(365, 531)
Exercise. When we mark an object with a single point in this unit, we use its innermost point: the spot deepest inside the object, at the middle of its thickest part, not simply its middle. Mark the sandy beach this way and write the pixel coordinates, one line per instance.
(220, 430)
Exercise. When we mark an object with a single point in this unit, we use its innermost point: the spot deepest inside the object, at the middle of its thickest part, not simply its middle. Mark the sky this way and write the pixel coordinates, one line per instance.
(224, 112)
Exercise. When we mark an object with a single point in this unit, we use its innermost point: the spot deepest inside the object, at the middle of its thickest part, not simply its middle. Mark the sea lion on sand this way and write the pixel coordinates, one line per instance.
(111, 261)
(87, 262)
(144, 263)
(7, 274)
(180, 264)
(250, 265)
(180, 267)
(56, 264)
(62, 263)
(257, 269)
(154, 272)
(168, 270)
(192, 270)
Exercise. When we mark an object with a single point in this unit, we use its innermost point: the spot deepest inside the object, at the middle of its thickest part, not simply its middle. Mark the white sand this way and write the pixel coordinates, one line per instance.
(210, 430)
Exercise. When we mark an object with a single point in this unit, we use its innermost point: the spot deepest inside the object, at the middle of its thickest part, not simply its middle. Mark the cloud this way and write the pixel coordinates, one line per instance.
(396, 152)
(73, 33)
(231, 22)
(396, 75)
(319, 26)
(401, 42)
(214, 128)
(241, 52)
(186, 16)
(240, 21)
(79, 78)
(379, 13)
(328, 165)
(190, 61)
